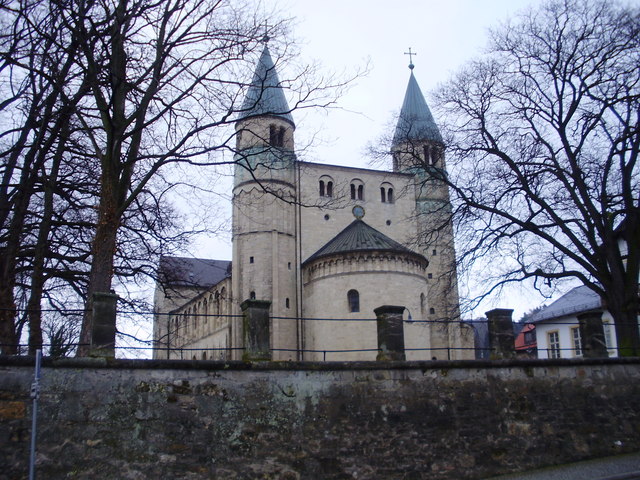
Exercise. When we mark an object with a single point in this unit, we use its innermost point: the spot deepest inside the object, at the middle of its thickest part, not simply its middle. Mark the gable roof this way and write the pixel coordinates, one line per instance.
(415, 121)
(265, 95)
(360, 237)
(192, 272)
(577, 300)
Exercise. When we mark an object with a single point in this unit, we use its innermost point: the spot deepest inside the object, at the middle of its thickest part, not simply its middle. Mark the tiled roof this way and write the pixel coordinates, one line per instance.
(357, 237)
(415, 121)
(580, 299)
(193, 272)
(265, 95)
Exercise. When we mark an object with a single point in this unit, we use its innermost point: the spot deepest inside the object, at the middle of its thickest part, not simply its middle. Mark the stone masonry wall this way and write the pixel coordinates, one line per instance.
(196, 420)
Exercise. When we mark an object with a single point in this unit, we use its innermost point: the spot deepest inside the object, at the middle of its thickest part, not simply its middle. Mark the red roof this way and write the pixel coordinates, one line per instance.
(520, 342)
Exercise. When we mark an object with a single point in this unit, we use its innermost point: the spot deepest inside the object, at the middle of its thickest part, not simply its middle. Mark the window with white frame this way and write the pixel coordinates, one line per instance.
(553, 341)
(606, 327)
(576, 339)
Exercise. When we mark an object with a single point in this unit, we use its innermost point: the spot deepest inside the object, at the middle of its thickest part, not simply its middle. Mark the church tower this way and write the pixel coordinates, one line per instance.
(264, 214)
(418, 149)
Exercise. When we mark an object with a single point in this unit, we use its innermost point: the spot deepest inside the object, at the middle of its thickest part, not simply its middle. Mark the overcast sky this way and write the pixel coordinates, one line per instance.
(347, 34)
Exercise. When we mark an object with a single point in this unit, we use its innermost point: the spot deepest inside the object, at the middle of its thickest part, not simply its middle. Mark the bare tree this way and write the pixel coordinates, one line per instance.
(164, 81)
(543, 143)
(35, 68)
(133, 88)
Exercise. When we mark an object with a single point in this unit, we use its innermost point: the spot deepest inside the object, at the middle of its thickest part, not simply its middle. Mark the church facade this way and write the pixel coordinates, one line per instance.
(326, 245)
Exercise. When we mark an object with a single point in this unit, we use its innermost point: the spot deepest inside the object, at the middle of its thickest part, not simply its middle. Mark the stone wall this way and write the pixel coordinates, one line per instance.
(194, 420)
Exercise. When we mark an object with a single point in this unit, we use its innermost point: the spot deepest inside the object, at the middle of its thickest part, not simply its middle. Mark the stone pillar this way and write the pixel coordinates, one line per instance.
(501, 339)
(390, 332)
(255, 328)
(592, 335)
(103, 327)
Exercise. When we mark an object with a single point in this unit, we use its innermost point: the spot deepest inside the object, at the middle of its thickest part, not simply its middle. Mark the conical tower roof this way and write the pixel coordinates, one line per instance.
(265, 95)
(360, 237)
(416, 121)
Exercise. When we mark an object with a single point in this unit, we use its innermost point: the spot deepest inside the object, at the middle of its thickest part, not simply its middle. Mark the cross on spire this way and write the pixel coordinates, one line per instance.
(266, 38)
(411, 54)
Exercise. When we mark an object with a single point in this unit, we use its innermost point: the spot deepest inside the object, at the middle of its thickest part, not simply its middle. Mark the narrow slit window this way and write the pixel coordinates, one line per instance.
(353, 298)
(383, 195)
(273, 135)
(322, 188)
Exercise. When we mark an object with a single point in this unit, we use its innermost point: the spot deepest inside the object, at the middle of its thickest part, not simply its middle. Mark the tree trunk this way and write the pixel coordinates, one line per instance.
(34, 305)
(624, 309)
(8, 338)
(103, 250)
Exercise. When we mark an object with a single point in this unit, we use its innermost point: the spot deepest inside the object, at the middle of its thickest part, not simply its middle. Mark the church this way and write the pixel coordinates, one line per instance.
(325, 245)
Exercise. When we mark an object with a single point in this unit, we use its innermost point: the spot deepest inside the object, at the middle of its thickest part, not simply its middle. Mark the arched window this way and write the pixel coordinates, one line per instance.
(386, 192)
(276, 136)
(280, 137)
(223, 297)
(252, 295)
(273, 135)
(326, 186)
(357, 189)
(353, 297)
(196, 312)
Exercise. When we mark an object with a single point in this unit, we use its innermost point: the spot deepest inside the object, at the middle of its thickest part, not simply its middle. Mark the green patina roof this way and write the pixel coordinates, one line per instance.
(360, 237)
(265, 95)
(415, 121)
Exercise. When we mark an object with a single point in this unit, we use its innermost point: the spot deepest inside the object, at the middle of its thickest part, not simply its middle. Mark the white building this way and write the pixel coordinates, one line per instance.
(557, 326)
(325, 244)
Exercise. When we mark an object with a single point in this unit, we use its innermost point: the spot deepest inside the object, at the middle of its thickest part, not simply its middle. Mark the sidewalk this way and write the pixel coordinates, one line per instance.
(620, 467)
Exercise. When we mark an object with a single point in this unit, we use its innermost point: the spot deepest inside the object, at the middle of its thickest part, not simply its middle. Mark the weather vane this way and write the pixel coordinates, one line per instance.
(411, 54)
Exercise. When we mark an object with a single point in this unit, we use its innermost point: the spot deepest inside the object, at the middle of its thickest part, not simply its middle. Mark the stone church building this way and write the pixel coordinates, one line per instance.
(324, 244)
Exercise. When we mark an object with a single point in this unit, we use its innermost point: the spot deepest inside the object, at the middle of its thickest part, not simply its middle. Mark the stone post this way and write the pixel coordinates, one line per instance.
(103, 328)
(390, 332)
(255, 328)
(592, 335)
(501, 339)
